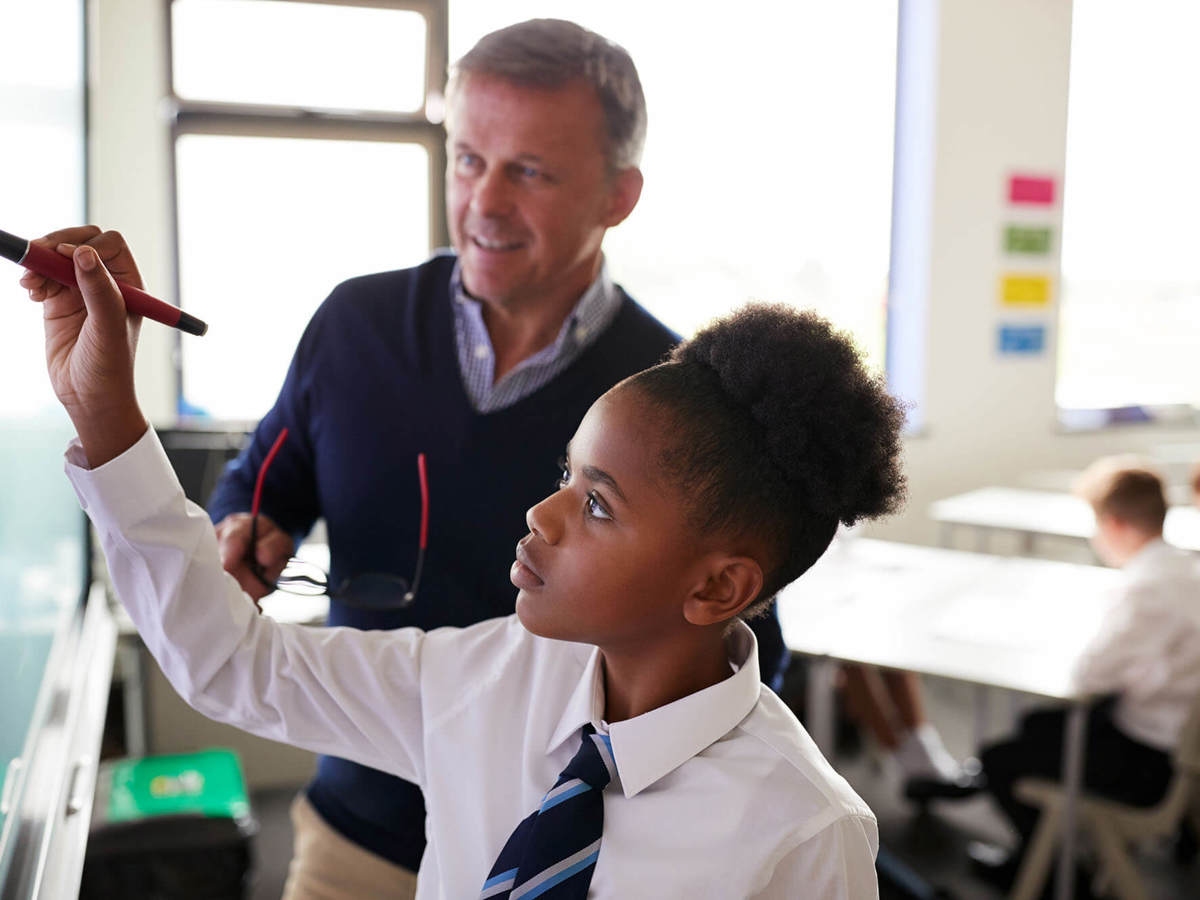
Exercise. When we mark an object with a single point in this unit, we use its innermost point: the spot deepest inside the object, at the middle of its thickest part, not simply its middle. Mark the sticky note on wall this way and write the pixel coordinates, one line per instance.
(1021, 340)
(1032, 239)
(1025, 290)
(1031, 189)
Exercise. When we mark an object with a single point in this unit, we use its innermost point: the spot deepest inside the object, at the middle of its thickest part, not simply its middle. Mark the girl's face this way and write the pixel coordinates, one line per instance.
(610, 557)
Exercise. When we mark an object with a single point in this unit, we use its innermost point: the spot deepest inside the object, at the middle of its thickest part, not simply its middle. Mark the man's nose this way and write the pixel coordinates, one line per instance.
(492, 194)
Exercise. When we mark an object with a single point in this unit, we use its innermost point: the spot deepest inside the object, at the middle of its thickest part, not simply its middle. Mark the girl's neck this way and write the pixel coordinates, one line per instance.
(638, 681)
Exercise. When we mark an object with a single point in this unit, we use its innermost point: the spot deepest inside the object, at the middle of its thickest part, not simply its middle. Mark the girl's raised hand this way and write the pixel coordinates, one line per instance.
(90, 345)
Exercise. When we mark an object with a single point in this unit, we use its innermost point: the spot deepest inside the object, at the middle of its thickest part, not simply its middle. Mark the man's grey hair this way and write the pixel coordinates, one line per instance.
(551, 53)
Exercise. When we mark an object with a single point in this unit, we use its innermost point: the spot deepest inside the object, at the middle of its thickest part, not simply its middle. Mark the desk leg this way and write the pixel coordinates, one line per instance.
(1073, 751)
(1028, 543)
(946, 535)
(983, 710)
(983, 539)
(822, 675)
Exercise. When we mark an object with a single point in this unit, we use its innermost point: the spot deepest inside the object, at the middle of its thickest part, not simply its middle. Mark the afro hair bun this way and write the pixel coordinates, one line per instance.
(830, 427)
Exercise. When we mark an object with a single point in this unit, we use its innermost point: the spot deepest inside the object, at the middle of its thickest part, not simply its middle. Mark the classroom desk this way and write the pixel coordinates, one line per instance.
(1032, 513)
(1007, 622)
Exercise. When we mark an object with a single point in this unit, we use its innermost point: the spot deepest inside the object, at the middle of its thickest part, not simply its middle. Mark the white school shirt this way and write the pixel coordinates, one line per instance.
(1148, 646)
(721, 794)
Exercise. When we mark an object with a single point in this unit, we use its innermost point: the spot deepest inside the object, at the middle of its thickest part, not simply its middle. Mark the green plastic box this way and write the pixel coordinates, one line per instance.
(170, 827)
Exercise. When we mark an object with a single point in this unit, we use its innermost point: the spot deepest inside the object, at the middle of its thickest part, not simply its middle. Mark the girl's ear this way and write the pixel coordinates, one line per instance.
(731, 584)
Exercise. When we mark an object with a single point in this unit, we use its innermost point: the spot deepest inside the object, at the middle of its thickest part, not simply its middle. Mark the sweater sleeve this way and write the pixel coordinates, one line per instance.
(354, 694)
(289, 491)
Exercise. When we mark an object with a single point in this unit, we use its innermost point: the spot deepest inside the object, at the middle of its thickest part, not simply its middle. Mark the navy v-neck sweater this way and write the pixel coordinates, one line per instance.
(375, 380)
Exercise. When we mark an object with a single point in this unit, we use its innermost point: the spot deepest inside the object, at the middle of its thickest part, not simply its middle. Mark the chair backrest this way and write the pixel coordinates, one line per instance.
(1187, 751)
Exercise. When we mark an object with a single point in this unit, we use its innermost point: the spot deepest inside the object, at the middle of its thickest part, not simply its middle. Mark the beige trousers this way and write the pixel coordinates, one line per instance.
(326, 866)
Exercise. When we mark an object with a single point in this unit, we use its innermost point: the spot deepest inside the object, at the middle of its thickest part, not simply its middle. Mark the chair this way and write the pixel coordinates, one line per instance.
(1112, 826)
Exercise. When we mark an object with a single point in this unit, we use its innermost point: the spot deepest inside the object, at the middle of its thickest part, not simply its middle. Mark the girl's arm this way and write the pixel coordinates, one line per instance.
(338, 691)
(353, 694)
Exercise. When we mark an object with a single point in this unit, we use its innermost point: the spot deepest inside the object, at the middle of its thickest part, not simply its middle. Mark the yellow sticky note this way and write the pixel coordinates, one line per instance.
(1025, 290)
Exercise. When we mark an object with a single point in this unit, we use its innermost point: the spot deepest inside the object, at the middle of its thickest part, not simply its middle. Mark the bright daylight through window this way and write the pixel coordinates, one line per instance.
(1130, 321)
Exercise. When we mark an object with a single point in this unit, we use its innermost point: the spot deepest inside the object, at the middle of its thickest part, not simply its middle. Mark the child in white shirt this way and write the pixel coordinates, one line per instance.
(1144, 661)
(690, 494)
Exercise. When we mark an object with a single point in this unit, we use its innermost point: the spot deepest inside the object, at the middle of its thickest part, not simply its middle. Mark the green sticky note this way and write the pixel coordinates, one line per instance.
(1027, 239)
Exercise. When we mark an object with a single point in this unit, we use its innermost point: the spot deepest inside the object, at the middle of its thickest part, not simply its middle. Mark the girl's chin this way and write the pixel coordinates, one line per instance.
(527, 614)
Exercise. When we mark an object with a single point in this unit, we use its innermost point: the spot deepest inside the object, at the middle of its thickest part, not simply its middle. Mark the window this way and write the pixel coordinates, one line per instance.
(761, 182)
(297, 123)
(1130, 316)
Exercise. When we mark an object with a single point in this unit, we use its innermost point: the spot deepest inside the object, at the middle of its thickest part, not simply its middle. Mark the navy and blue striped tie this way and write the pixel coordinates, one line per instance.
(552, 853)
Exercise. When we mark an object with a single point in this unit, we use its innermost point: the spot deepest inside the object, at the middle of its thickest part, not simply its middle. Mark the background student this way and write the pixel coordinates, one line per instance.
(1146, 657)
(691, 493)
(485, 361)
(889, 703)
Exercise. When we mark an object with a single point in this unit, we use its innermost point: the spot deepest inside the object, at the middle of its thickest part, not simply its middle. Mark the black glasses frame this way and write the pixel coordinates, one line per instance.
(355, 590)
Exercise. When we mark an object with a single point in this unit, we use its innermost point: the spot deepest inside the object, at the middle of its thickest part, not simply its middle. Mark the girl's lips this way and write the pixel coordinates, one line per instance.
(523, 574)
(524, 577)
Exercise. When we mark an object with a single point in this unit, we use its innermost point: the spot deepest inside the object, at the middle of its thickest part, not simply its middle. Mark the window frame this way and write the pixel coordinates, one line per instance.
(423, 126)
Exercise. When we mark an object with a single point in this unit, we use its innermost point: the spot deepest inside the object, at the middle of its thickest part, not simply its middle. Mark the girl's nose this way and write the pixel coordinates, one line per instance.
(544, 520)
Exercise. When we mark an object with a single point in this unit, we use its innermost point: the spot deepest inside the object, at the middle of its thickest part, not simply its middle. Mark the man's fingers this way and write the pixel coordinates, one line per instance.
(249, 583)
(274, 548)
(233, 539)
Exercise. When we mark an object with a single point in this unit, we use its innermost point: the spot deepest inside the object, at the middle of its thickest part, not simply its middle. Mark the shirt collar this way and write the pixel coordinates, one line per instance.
(593, 310)
(654, 744)
(1149, 560)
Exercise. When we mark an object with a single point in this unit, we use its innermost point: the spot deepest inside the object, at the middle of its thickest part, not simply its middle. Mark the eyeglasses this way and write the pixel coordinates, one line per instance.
(368, 590)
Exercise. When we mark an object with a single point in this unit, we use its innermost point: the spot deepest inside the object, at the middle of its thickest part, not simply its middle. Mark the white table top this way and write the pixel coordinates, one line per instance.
(1007, 622)
(1050, 513)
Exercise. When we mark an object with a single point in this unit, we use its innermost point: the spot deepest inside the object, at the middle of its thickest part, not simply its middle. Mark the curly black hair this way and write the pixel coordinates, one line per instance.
(778, 432)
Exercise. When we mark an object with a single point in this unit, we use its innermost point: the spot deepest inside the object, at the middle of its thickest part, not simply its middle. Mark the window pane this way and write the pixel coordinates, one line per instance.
(768, 156)
(299, 54)
(1130, 267)
(354, 206)
(41, 548)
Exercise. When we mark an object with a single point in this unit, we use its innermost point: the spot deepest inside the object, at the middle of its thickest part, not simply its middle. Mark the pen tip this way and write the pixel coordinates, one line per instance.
(191, 324)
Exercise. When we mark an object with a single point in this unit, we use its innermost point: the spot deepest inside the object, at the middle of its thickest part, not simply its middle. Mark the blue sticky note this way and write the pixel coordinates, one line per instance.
(1024, 340)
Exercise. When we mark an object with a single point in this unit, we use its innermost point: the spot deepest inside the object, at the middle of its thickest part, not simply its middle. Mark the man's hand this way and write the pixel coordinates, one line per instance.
(90, 341)
(273, 549)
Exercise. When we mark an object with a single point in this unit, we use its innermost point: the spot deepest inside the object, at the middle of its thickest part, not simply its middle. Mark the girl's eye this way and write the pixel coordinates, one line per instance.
(564, 473)
(595, 508)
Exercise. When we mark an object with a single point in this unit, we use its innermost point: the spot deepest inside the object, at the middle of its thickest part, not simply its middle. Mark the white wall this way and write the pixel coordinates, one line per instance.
(1001, 107)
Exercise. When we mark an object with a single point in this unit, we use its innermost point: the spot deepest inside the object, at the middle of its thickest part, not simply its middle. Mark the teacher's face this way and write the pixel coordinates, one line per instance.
(529, 195)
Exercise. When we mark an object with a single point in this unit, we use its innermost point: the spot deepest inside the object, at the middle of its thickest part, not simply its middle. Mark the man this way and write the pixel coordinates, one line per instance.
(485, 362)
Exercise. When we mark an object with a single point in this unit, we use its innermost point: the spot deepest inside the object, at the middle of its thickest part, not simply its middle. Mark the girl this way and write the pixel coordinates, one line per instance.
(611, 739)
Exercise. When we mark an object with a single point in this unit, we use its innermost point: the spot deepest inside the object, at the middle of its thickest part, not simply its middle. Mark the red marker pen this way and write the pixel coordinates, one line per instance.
(53, 264)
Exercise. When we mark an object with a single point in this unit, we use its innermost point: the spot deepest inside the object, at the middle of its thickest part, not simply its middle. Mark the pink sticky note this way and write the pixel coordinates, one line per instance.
(1031, 189)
